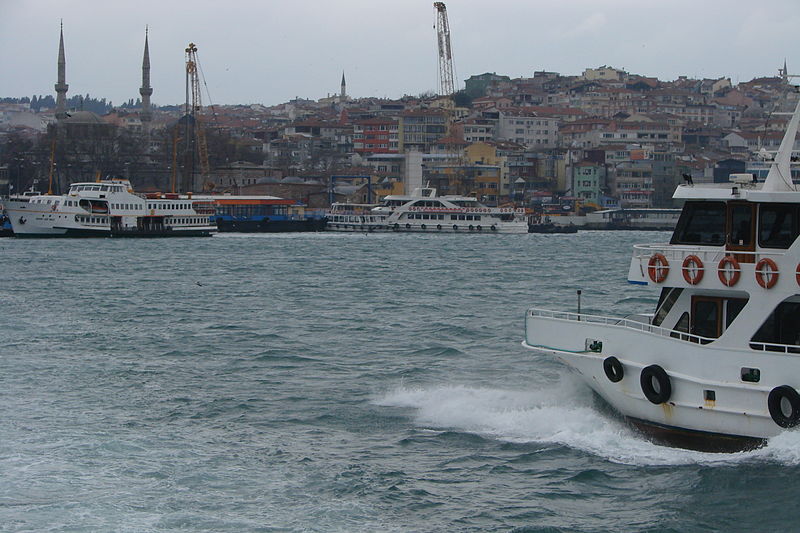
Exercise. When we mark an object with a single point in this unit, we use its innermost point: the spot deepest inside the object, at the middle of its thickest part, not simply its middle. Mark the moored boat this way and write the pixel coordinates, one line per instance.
(537, 224)
(5, 227)
(262, 214)
(109, 208)
(716, 366)
(424, 212)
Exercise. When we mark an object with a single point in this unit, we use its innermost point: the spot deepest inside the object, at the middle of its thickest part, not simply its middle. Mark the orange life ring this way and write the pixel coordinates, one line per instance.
(735, 271)
(797, 273)
(766, 278)
(692, 263)
(658, 268)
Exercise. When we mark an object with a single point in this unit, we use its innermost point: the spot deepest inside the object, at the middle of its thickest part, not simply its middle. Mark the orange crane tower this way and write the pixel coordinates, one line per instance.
(446, 75)
(193, 87)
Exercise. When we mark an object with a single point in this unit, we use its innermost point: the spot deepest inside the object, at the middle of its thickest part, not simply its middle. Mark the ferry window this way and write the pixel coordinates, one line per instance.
(682, 325)
(733, 307)
(701, 223)
(705, 318)
(665, 302)
(453, 217)
(777, 225)
(712, 316)
(741, 216)
(782, 325)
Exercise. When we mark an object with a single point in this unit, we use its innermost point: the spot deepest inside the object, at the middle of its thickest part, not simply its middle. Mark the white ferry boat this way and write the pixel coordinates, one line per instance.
(108, 208)
(717, 366)
(424, 211)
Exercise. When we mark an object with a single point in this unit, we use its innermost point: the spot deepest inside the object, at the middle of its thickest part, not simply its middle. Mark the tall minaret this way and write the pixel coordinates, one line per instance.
(145, 90)
(343, 94)
(61, 86)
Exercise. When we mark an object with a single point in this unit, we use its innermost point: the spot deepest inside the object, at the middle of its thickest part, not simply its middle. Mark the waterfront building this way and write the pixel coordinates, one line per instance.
(421, 128)
(378, 135)
(588, 182)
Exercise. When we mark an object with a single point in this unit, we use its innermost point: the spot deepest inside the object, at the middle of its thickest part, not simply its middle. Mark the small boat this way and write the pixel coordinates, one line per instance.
(424, 212)
(538, 224)
(716, 365)
(5, 227)
(109, 208)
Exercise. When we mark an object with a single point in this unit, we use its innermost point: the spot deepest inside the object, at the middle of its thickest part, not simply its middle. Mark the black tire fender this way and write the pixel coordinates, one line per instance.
(655, 384)
(781, 398)
(613, 369)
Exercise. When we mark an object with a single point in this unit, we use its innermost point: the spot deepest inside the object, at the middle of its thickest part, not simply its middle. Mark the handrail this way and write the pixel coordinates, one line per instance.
(620, 322)
(679, 251)
(645, 327)
(772, 347)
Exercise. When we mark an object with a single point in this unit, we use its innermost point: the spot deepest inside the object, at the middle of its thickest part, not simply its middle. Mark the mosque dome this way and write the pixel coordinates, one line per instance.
(83, 117)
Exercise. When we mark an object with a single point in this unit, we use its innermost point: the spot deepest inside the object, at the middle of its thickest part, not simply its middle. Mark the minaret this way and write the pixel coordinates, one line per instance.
(785, 72)
(145, 90)
(61, 86)
(343, 95)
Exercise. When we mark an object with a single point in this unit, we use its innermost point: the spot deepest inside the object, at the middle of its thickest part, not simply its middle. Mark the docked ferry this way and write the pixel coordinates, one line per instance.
(263, 214)
(716, 366)
(424, 212)
(109, 208)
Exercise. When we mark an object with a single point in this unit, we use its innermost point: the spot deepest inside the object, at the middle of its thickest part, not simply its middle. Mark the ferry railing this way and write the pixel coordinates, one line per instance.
(677, 252)
(645, 327)
(777, 348)
(626, 323)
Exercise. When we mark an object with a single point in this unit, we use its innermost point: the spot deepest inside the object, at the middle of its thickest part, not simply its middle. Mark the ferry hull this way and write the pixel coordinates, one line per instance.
(702, 441)
(85, 233)
(270, 226)
(709, 407)
(435, 229)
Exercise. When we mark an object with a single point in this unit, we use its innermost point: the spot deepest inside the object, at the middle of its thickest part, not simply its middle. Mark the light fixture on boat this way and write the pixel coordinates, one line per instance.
(742, 179)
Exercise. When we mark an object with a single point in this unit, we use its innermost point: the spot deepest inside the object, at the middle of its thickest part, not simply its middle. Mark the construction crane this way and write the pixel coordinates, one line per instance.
(195, 112)
(446, 75)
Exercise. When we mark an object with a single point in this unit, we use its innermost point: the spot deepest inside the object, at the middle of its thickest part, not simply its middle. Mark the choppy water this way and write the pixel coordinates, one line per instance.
(333, 382)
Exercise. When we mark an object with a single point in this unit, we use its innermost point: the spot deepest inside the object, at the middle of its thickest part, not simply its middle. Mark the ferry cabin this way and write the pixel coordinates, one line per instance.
(736, 233)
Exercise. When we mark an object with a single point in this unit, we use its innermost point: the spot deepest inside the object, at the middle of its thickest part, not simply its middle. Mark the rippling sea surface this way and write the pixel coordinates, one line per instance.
(336, 382)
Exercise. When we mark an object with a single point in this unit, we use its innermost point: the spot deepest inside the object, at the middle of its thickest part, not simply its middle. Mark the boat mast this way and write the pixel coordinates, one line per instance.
(780, 173)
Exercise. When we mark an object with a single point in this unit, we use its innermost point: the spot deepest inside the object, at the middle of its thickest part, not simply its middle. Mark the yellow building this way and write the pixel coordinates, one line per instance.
(482, 153)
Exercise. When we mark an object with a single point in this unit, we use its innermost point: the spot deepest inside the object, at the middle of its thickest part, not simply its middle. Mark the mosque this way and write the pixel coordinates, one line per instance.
(86, 144)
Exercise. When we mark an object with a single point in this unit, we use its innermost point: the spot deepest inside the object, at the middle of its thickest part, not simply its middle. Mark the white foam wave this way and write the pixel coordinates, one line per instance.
(562, 413)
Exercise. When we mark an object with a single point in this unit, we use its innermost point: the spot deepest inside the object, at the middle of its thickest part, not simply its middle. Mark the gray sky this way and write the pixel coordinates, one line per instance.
(269, 51)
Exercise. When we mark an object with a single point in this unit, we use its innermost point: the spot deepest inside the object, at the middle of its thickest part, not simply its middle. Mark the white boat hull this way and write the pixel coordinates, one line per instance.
(429, 228)
(738, 411)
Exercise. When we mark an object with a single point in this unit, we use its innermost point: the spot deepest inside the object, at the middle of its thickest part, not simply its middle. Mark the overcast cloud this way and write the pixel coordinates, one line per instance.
(264, 51)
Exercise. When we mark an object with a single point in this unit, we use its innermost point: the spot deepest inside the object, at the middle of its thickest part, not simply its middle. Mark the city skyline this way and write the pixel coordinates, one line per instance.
(270, 52)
